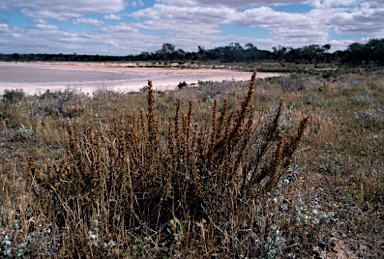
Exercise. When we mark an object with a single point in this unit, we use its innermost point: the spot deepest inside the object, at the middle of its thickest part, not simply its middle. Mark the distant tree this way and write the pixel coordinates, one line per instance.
(327, 56)
(233, 52)
(375, 48)
(179, 54)
(168, 48)
(279, 52)
(201, 53)
(326, 47)
(251, 52)
(293, 55)
(355, 53)
(143, 56)
(166, 52)
(311, 53)
(249, 46)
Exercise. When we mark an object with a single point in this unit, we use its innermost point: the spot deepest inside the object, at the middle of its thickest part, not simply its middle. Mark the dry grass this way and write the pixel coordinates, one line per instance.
(223, 170)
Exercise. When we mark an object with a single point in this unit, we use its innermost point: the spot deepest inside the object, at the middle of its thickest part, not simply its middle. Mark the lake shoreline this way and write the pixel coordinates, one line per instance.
(88, 77)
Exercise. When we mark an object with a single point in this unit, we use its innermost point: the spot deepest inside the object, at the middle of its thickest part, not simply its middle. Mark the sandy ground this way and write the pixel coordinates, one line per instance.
(36, 78)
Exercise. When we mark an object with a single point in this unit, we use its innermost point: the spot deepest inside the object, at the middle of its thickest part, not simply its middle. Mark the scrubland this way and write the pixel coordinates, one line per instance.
(287, 167)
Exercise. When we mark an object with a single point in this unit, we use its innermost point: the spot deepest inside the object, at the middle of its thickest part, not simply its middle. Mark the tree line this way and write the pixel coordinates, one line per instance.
(355, 54)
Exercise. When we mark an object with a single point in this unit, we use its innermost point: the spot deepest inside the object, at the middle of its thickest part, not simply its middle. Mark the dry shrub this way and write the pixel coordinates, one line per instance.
(292, 83)
(67, 103)
(108, 93)
(195, 190)
(328, 203)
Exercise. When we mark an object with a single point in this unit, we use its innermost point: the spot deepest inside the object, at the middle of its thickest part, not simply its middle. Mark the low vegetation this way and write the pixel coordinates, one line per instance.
(288, 167)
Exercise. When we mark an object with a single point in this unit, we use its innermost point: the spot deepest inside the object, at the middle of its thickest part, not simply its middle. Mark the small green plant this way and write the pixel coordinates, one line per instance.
(6, 247)
(174, 228)
(15, 243)
(141, 245)
(275, 243)
(93, 234)
(13, 96)
(25, 132)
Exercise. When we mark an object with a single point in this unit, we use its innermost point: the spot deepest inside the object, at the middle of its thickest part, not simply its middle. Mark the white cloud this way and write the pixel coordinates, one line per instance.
(200, 24)
(267, 17)
(45, 14)
(334, 3)
(340, 44)
(185, 14)
(120, 29)
(44, 26)
(112, 17)
(367, 18)
(245, 3)
(88, 21)
(186, 24)
(3, 27)
(76, 6)
(138, 3)
(122, 39)
(62, 10)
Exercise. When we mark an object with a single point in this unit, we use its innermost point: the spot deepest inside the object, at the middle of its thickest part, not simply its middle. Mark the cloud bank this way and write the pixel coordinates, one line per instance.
(118, 27)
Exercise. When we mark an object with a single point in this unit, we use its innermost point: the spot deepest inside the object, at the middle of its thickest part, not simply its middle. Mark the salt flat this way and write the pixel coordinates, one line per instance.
(36, 78)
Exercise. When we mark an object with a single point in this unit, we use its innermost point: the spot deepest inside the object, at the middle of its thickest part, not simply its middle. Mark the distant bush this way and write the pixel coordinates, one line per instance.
(327, 74)
(182, 85)
(373, 116)
(13, 96)
(58, 103)
(292, 83)
(108, 93)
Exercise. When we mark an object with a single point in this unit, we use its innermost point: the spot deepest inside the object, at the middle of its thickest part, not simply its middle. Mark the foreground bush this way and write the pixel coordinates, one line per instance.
(127, 189)
(327, 203)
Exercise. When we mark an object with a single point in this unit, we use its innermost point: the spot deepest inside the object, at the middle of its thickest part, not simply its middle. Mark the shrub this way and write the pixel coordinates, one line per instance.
(23, 133)
(13, 96)
(128, 177)
(292, 83)
(108, 94)
(328, 74)
(182, 85)
(371, 117)
(57, 103)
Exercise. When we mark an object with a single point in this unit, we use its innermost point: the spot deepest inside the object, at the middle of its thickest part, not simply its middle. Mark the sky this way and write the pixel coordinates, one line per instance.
(124, 27)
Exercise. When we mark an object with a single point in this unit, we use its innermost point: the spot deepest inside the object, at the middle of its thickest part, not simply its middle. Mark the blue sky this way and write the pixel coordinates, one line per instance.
(122, 27)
